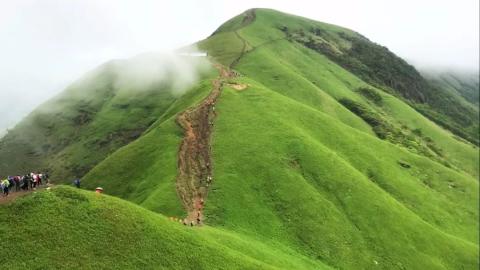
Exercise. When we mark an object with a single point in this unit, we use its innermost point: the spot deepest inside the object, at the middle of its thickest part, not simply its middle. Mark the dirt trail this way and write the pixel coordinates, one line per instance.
(17, 194)
(243, 51)
(194, 157)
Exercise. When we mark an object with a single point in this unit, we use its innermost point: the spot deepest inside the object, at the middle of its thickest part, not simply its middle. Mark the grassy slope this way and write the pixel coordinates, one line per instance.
(310, 184)
(317, 76)
(75, 229)
(301, 166)
(463, 119)
(74, 131)
(465, 84)
(145, 170)
(287, 68)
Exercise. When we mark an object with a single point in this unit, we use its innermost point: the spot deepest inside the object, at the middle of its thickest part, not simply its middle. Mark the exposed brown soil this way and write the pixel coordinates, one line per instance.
(249, 17)
(194, 157)
(238, 86)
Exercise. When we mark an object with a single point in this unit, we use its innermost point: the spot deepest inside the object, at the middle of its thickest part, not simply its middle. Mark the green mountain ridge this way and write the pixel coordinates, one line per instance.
(321, 159)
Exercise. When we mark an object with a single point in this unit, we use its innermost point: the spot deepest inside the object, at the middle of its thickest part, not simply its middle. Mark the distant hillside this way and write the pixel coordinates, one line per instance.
(466, 84)
(303, 136)
(106, 109)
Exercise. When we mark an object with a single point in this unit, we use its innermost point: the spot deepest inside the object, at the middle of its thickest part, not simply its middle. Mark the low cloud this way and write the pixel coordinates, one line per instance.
(176, 71)
(179, 71)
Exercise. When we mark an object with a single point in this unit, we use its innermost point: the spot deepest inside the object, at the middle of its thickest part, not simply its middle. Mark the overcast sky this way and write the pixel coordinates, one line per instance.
(46, 44)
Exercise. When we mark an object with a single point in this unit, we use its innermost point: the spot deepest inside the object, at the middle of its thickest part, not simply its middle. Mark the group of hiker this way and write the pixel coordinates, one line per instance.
(23, 182)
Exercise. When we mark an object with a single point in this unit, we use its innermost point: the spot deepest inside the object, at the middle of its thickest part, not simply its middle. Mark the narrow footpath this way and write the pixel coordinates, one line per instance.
(194, 157)
(17, 194)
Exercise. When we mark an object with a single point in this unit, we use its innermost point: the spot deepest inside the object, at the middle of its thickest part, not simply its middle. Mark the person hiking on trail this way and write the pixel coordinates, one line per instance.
(11, 181)
(209, 180)
(31, 181)
(198, 217)
(39, 179)
(16, 179)
(76, 182)
(25, 182)
(5, 184)
(46, 177)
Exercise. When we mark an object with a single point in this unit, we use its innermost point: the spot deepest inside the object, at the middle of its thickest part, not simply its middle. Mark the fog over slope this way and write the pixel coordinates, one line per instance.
(141, 71)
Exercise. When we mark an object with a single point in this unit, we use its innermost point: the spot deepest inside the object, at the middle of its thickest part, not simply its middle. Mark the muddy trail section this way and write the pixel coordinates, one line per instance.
(194, 158)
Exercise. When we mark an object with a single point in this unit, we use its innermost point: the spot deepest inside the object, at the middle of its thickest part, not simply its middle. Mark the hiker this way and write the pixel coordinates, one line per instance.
(25, 182)
(16, 179)
(209, 180)
(11, 182)
(33, 181)
(47, 178)
(198, 217)
(39, 179)
(22, 182)
(5, 184)
(76, 182)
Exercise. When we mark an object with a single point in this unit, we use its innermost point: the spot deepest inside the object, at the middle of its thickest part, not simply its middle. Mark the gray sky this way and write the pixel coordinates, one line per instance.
(46, 44)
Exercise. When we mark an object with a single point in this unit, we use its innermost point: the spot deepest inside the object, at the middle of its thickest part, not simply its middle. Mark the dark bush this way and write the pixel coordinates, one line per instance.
(371, 94)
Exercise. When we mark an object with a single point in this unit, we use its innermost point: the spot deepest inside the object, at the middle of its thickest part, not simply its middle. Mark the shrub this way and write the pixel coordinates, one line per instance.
(371, 94)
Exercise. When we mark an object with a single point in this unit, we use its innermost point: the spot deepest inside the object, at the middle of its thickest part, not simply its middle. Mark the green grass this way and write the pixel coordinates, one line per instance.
(286, 68)
(297, 176)
(75, 229)
(228, 52)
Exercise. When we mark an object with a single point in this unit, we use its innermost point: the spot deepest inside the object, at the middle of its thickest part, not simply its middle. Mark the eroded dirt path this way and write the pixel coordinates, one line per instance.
(194, 157)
